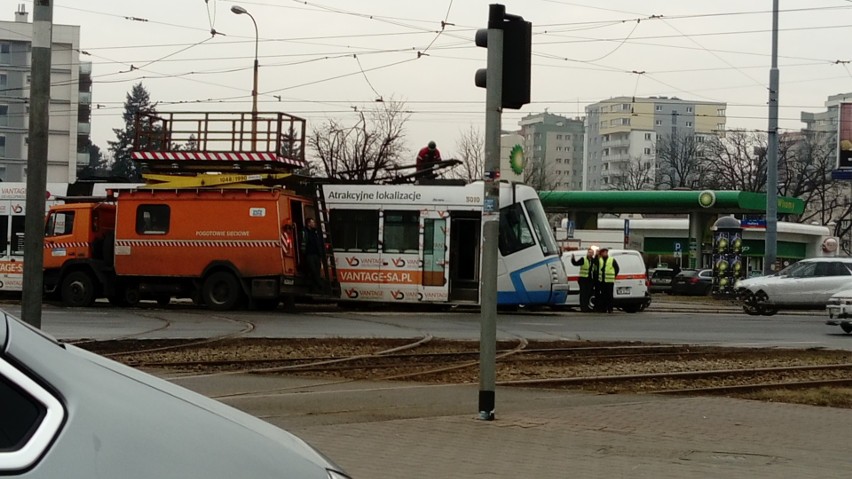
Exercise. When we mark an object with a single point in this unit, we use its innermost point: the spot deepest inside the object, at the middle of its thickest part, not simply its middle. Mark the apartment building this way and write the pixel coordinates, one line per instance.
(70, 101)
(622, 135)
(553, 148)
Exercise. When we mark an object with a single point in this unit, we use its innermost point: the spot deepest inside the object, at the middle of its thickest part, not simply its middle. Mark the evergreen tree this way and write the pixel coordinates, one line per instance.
(96, 167)
(137, 101)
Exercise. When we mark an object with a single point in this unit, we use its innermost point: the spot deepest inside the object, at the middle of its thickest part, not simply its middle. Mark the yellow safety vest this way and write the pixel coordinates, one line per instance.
(607, 270)
(585, 267)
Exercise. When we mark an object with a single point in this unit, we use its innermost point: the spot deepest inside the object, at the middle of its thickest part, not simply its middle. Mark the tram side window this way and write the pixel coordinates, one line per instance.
(355, 230)
(401, 232)
(152, 219)
(515, 233)
(18, 235)
(4, 231)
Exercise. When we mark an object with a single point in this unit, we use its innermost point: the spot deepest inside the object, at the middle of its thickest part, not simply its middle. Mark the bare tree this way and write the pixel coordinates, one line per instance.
(365, 150)
(471, 152)
(736, 162)
(804, 171)
(680, 162)
(540, 175)
(636, 174)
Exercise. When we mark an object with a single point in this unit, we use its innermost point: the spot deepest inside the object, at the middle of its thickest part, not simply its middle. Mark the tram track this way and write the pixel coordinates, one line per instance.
(591, 367)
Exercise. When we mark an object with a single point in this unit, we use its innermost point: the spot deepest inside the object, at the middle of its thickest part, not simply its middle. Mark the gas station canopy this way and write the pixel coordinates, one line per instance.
(677, 202)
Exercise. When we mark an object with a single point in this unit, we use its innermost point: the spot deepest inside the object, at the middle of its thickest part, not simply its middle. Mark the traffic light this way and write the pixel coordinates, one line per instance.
(517, 47)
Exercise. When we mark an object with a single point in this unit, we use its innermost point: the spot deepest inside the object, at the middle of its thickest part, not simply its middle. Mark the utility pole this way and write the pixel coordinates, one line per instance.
(37, 162)
(771, 238)
(507, 83)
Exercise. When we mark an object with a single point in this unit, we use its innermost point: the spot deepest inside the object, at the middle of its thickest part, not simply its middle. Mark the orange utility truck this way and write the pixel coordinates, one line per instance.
(222, 239)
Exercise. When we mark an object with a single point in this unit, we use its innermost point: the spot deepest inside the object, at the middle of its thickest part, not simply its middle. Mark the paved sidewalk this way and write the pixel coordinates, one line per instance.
(404, 430)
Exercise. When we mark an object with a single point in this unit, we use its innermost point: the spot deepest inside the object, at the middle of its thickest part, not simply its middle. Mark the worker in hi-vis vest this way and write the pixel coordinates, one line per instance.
(588, 271)
(607, 271)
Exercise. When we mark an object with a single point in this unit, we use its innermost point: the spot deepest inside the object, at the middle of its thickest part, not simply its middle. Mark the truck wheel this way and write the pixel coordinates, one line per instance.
(78, 289)
(221, 291)
(163, 300)
(846, 327)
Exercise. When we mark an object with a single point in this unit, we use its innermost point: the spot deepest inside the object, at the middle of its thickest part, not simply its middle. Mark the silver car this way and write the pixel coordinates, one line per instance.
(807, 284)
(65, 412)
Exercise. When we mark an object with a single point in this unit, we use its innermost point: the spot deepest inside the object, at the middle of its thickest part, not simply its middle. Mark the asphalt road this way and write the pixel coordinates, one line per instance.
(696, 322)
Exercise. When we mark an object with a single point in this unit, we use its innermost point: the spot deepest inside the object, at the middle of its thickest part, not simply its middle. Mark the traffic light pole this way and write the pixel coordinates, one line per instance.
(491, 215)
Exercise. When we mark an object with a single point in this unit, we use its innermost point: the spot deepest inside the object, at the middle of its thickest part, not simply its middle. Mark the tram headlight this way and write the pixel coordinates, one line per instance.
(554, 274)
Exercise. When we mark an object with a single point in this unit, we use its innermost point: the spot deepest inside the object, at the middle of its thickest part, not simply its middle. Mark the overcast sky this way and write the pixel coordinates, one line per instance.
(324, 58)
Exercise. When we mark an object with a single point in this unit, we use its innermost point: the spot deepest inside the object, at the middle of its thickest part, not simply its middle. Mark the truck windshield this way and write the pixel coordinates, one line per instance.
(541, 227)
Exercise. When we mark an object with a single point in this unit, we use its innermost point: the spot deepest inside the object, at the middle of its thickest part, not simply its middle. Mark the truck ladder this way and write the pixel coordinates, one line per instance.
(213, 180)
(330, 265)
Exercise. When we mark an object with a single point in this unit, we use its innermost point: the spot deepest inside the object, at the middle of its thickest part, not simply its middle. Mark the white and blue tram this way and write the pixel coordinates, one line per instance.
(421, 243)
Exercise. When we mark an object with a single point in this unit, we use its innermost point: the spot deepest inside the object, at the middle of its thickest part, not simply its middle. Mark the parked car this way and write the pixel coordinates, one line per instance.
(839, 308)
(661, 279)
(807, 284)
(630, 293)
(693, 282)
(67, 412)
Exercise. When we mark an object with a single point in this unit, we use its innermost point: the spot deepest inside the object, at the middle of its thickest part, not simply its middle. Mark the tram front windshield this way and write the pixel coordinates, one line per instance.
(541, 227)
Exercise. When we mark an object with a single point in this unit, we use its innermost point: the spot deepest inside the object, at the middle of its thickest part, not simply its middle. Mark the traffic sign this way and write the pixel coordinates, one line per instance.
(677, 246)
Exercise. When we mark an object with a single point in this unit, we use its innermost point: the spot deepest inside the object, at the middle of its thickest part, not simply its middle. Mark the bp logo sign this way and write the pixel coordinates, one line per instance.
(516, 159)
(707, 199)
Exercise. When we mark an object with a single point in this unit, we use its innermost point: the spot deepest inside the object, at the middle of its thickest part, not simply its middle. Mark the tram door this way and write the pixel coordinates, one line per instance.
(465, 241)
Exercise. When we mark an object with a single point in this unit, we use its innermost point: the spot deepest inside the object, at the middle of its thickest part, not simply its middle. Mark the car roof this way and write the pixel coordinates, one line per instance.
(827, 258)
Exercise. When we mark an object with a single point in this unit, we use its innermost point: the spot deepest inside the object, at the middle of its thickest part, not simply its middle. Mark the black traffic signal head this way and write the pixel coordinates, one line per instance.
(517, 48)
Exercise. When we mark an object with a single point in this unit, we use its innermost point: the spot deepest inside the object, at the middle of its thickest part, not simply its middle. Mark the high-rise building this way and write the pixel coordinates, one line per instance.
(70, 101)
(826, 121)
(622, 135)
(553, 148)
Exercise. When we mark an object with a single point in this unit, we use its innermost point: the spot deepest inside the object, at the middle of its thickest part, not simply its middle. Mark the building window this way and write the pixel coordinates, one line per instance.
(2, 146)
(558, 137)
(658, 123)
(3, 82)
(5, 54)
(720, 111)
(648, 136)
(720, 126)
(558, 148)
(658, 108)
(4, 115)
(689, 124)
(647, 151)
(689, 109)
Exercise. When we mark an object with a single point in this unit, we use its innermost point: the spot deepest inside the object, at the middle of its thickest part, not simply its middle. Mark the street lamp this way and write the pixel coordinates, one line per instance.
(239, 11)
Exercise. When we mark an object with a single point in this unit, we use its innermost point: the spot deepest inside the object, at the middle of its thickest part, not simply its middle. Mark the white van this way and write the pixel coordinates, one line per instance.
(630, 293)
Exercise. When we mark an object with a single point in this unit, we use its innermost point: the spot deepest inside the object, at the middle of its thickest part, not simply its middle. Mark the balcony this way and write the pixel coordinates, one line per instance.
(85, 98)
(619, 143)
(84, 129)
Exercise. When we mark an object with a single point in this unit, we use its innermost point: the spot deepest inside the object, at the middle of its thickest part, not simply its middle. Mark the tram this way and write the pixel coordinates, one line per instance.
(13, 210)
(422, 243)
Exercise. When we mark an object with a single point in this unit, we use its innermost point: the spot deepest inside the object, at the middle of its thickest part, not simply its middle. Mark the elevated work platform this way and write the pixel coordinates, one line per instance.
(219, 141)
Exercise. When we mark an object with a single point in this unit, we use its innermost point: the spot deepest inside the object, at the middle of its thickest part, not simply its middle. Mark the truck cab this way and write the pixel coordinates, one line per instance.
(78, 249)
